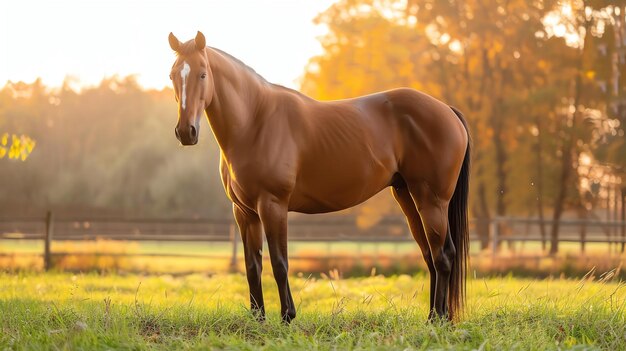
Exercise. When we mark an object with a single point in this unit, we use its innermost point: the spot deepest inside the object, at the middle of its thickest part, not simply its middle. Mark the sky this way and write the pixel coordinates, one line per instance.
(92, 39)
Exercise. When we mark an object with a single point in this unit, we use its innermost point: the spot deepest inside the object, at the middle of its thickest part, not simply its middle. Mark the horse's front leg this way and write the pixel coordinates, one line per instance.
(252, 237)
(273, 214)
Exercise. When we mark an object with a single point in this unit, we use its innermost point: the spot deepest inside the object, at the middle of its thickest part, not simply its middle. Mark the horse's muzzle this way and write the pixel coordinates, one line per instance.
(187, 135)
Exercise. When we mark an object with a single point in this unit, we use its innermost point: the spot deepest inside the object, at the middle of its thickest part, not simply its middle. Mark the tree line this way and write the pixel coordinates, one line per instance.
(105, 150)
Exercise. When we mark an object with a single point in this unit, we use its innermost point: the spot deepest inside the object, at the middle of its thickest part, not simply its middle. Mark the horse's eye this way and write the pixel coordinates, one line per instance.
(203, 75)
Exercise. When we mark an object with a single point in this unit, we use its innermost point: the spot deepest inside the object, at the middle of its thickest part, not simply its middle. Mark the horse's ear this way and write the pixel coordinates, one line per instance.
(200, 41)
(174, 42)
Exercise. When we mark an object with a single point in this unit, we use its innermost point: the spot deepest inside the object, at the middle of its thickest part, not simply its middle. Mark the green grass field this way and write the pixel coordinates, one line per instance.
(66, 311)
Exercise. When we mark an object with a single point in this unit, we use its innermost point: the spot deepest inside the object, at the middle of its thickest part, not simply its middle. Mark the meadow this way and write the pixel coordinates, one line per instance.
(108, 311)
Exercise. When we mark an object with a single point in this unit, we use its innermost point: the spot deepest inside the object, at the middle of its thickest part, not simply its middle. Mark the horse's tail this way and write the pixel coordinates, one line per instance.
(459, 229)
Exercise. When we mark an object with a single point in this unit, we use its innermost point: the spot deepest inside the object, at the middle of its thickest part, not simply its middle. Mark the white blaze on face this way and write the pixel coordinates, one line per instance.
(184, 73)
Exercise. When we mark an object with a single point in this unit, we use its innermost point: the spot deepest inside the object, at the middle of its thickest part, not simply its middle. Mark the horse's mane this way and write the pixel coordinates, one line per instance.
(189, 47)
(239, 63)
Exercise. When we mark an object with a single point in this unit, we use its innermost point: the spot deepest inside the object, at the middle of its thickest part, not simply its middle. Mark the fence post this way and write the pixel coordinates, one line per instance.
(495, 228)
(233, 240)
(623, 193)
(609, 215)
(47, 259)
(583, 229)
(616, 197)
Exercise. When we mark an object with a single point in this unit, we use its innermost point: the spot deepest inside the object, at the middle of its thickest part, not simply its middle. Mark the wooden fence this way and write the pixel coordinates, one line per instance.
(583, 232)
(310, 228)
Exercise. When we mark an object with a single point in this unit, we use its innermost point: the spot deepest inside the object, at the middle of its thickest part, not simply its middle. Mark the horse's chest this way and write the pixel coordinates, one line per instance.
(244, 183)
(238, 193)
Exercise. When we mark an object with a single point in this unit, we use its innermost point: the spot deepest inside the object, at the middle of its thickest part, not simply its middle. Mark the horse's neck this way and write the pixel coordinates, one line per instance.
(236, 96)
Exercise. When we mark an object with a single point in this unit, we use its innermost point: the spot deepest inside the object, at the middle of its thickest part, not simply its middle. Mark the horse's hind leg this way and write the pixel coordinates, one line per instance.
(434, 213)
(403, 197)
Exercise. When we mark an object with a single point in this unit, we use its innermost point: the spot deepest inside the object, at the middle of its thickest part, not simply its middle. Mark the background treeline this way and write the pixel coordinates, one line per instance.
(109, 150)
(541, 83)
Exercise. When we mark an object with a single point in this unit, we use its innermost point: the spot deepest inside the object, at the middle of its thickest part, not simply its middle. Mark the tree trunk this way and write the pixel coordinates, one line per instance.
(481, 213)
(566, 166)
(481, 208)
(496, 120)
(474, 104)
(539, 184)
(568, 150)
(500, 170)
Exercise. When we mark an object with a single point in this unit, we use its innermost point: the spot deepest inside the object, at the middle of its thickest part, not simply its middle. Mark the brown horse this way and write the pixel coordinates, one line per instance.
(283, 151)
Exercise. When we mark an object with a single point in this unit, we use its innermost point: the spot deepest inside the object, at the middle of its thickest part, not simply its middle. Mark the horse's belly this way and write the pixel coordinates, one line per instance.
(336, 191)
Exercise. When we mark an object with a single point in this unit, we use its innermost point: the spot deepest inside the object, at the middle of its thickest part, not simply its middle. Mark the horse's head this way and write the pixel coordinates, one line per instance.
(193, 86)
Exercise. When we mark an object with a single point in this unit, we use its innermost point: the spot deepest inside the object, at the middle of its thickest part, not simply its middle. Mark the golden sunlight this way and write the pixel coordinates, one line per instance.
(85, 41)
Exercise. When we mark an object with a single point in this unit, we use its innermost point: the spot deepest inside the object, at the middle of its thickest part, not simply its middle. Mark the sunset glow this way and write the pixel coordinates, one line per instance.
(90, 40)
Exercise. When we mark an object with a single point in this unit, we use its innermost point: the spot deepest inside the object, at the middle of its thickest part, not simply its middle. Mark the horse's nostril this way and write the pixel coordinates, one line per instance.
(176, 133)
(193, 132)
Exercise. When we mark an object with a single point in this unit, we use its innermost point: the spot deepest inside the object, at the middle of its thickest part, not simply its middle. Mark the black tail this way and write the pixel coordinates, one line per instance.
(459, 229)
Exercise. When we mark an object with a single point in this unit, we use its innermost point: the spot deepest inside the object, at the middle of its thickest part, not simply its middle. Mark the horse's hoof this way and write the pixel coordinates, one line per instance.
(288, 317)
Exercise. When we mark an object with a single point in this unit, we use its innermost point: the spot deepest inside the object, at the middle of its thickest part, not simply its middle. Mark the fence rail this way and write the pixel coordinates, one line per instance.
(571, 230)
(391, 229)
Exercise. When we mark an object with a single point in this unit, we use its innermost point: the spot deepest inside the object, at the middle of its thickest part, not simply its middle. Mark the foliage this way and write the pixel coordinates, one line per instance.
(105, 149)
(19, 149)
(64, 311)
